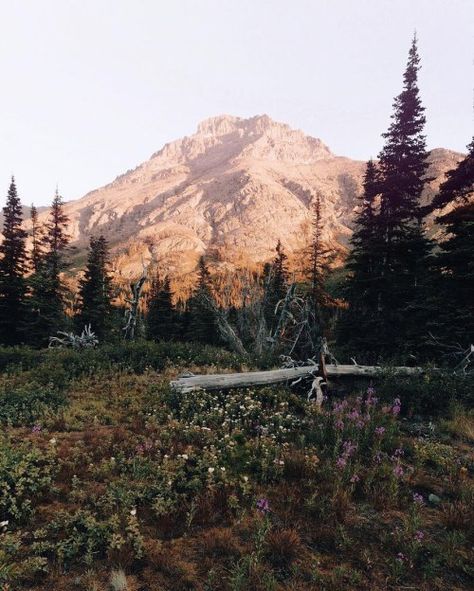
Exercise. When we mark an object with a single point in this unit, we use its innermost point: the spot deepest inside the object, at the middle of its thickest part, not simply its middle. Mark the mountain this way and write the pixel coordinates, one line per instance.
(231, 190)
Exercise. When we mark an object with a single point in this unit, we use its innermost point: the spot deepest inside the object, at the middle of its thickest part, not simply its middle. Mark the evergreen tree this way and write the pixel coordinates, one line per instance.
(36, 251)
(275, 276)
(357, 326)
(46, 308)
(12, 269)
(95, 290)
(161, 320)
(402, 246)
(202, 323)
(452, 302)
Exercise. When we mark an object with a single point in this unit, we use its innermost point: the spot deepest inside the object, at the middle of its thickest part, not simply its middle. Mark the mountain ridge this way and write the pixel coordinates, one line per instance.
(231, 190)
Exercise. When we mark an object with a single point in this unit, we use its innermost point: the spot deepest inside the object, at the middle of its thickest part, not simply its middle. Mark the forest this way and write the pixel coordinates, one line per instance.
(112, 479)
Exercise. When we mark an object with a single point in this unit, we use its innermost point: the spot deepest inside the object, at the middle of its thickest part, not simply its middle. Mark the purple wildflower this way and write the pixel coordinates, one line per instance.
(339, 425)
(355, 478)
(378, 457)
(397, 403)
(341, 462)
(419, 535)
(401, 557)
(379, 431)
(398, 471)
(263, 506)
(370, 391)
(418, 499)
(36, 429)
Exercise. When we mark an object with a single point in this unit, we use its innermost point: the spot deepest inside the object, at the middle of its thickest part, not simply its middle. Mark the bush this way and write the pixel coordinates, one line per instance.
(25, 474)
(430, 394)
(25, 403)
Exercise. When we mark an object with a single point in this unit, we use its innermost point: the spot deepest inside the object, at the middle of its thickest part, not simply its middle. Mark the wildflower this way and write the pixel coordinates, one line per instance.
(133, 512)
(378, 457)
(418, 499)
(263, 506)
(185, 456)
(53, 440)
(36, 429)
(339, 425)
(4, 523)
(370, 391)
(398, 471)
(419, 535)
(401, 557)
(355, 478)
(245, 478)
(222, 469)
(396, 407)
(210, 470)
(341, 462)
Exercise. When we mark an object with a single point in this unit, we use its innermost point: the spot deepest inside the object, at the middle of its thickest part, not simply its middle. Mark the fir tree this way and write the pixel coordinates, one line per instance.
(95, 290)
(12, 269)
(452, 301)
(275, 275)
(403, 247)
(202, 323)
(161, 320)
(46, 306)
(357, 326)
(36, 252)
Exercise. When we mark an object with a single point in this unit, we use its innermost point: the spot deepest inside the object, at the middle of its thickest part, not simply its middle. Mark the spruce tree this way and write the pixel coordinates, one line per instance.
(36, 251)
(95, 307)
(275, 275)
(46, 305)
(403, 247)
(452, 302)
(161, 320)
(202, 323)
(357, 326)
(12, 269)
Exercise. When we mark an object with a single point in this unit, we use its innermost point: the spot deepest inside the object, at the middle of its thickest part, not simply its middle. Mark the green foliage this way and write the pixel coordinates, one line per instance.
(430, 394)
(26, 473)
(12, 269)
(24, 403)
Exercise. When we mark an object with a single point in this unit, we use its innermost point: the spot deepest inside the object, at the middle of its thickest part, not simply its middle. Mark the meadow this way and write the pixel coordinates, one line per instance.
(109, 480)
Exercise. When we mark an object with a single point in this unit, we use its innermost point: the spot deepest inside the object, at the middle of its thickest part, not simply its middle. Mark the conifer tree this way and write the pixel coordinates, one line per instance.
(46, 306)
(452, 300)
(357, 326)
(202, 323)
(161, 320)
(403, 246)
(95, 294)
(275, 275)
(12, 269)
(36, 251)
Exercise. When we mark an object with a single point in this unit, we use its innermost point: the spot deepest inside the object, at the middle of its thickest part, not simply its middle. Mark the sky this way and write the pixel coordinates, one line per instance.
(91, 88)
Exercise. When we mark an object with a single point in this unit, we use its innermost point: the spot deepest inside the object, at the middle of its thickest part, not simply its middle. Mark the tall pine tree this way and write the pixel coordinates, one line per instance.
(357, 326)
(12, 270)
(95, 294)
(452, 301)
(46, 301)
(402, 246)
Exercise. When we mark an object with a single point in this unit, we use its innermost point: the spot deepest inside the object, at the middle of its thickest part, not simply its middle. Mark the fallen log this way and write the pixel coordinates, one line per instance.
(226, 381)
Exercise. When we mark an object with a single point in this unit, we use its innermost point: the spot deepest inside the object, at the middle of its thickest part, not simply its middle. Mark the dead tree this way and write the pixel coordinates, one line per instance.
(131, 315)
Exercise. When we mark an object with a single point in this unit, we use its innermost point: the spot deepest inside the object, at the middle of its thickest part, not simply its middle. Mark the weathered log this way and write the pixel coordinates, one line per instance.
(275, 376)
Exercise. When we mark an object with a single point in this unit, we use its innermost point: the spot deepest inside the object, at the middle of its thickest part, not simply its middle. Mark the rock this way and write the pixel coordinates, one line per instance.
(434, 499)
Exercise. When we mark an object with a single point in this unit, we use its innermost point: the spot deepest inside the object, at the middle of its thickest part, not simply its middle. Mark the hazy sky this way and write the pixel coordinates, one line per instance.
(91, 88)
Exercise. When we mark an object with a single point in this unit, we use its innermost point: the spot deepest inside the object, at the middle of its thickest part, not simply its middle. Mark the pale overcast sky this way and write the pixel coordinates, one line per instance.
(92, 88)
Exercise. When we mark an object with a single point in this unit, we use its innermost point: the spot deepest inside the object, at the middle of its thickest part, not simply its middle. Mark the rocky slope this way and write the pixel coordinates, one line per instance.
(231, 190)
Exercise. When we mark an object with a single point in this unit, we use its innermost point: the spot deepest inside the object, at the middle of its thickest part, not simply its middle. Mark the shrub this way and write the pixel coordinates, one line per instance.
(25, 474)
(25, 403)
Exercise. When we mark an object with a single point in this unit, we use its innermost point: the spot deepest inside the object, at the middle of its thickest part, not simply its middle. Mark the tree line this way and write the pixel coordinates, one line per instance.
(402, 295)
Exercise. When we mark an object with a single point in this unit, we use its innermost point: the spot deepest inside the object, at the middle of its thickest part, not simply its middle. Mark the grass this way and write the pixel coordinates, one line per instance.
(109, 480)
